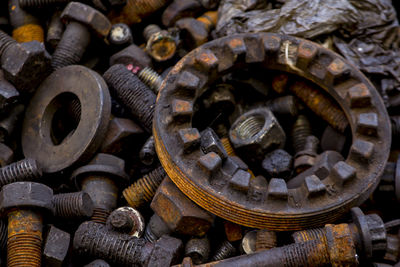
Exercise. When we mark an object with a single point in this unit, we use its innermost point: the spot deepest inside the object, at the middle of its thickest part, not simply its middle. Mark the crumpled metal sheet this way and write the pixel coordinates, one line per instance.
(365, 32)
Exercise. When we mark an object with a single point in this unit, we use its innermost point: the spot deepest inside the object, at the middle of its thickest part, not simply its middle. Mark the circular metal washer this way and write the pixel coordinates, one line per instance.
(253, 202)
(80, 145)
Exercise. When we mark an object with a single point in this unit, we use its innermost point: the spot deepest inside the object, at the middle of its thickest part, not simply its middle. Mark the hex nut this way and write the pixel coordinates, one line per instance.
(88, 16)
(56, 247)
(256, 132)
(26, 195)
(179, 212)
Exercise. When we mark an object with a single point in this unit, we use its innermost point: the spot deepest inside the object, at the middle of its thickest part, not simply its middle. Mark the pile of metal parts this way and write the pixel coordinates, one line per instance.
(131, 135)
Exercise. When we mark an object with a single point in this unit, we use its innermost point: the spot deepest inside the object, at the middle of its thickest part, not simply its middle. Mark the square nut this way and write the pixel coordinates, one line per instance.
(180, 214)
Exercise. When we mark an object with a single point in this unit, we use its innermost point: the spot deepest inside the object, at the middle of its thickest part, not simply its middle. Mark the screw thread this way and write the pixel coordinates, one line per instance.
(40, 3)
(24, 170)
(100, 215)
(150, 30)
(93, 240)
(265, 240)
(301, 129)
(3, 235)
(150, 78)
(73, 205)
(228, 146)
(308, 235)
(75, 111)
(311, 253)
(5, 42)
(225, 250)
(321, 105)
(24, 249)
(143, 190)
(132, 93)
(149, 235)
(71, 46)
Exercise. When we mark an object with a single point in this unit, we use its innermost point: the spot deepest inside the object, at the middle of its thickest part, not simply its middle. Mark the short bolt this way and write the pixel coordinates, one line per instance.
(26, 27)
(305, 158)
(224, 251)
(23, 170)
(120, 36)
(301, 129)
(25, 204)
(160, 45)
(198, 249)
(101, 179)
(76, 205)
(127, 220)
(151, 78)
(134, 94)
(143, 190)
(147, 153)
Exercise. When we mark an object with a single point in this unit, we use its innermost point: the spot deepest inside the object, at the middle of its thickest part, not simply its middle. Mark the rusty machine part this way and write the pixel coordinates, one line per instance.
(237, 197)
(82, 141)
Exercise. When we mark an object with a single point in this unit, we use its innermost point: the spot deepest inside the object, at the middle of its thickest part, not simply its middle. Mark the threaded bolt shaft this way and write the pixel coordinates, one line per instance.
(93, 240)
(311, 145)
(134, 94)
(228, 146)
(73, 205)
(24, 246)
(24, 170)
(100, 215)
(310, 234)
(150, 30)
(72, 46)
(155, 229)
(26, 4)
(265, 240)
(151, 78)
(321, 105)
(225, 250)
(143, 190)
(301, 129)
(5, 42)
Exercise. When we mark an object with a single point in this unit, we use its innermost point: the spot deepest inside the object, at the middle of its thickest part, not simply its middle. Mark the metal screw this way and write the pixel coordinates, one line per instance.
(127, 220)
(23, 170)
(135, 95)
(143, 190)
(26, 27)
(301, 129)
(5, 42)
(265, 240)
(77, 205)
(161, 44)
(225, 250)
(198, 249)
(151, 78)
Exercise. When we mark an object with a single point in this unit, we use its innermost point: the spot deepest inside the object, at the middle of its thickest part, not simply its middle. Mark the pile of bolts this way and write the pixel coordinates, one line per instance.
(131, 135)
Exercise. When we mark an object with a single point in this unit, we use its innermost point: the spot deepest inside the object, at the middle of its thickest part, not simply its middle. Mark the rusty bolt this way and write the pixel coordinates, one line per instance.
(143, 190)
(56, 247)
(321, 105)
(101, 179)
(23, 170)
(155, 229)
(81, 19)
(26, 27)
(161, 45)
(135, 95)
(25, 204)
(225, 250)
(195, 31)
(148, 152)
(92, 240)
(77, 205)
(305, 158)
(179, 212)
(278, 163)
(258, 240)
(127, 220)
(198, 249)
(300, 130)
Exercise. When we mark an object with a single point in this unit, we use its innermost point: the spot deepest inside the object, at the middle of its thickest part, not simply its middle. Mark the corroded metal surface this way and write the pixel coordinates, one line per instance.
(275, 207)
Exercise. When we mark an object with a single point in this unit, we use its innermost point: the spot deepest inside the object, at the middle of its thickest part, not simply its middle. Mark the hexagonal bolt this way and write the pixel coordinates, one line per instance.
(92, 240)
(143, 190)
(132, 93)
(101, 179)
(305, 158)
(75, 206)
(77, 36)
(127, 220)
(256, 132)
(161, 45)
(23, 170)
(56, 246)
(120, 36)
(25, 65)
(155, 229)
(179, 212)
(198, 249)
(195, 32)
(368, 231)
(25, 203)
(27, 28)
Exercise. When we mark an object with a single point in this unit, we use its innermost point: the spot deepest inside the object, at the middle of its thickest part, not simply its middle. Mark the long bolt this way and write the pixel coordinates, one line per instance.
(24, 170)
(135, 95)
(143, 190)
